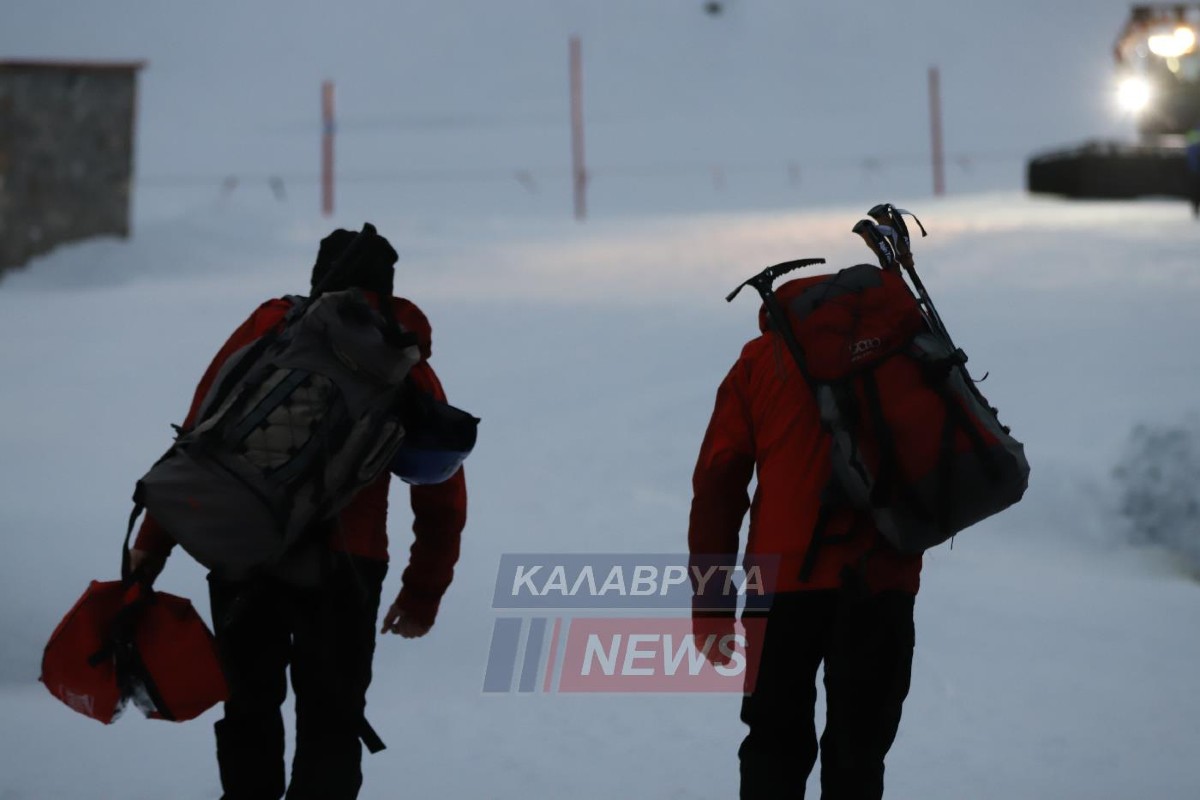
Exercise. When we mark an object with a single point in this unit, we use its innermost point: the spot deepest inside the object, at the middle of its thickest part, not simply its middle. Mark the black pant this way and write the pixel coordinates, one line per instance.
(327, 636)
(867, 647)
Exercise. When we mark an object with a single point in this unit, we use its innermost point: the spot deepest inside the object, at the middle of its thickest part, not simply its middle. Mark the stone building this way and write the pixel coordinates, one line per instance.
(66, 153)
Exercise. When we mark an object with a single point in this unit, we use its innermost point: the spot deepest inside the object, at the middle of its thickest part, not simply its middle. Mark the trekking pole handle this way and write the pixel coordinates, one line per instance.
(883, 241)
(887, 214)
(763, 280)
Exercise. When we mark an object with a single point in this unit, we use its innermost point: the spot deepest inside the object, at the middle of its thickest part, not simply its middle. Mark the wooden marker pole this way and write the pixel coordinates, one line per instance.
(327, 132)
(935, 132)
(578, 168)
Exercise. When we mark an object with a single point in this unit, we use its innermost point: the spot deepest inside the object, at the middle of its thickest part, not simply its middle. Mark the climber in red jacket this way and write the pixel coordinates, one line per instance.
(846, 601)
(326, 636)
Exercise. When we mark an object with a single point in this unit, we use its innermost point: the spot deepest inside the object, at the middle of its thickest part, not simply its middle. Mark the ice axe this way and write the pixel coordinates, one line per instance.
(763, 280)
(762, 283)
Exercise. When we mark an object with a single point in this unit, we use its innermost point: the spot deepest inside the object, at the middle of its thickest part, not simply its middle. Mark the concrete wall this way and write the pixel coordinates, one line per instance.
(66, 154)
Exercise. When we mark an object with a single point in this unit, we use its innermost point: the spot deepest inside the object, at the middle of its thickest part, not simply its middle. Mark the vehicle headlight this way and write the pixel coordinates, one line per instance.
(1179, 42)
(1133, 94)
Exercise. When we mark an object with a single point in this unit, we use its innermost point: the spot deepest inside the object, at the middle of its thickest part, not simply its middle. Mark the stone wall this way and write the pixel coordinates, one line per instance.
(66, 154)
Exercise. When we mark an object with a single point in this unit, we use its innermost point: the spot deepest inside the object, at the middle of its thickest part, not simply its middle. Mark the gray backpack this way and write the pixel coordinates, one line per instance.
(294, 426)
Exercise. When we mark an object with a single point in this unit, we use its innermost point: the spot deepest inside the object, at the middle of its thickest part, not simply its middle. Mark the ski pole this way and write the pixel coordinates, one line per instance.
(891, 218)
(889, 246)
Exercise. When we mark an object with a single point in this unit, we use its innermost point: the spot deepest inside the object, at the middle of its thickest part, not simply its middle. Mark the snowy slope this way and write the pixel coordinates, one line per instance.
(1053, 661)
(440, 104)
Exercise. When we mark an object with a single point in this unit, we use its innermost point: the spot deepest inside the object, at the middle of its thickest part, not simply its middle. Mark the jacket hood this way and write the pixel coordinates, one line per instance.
(414, 319)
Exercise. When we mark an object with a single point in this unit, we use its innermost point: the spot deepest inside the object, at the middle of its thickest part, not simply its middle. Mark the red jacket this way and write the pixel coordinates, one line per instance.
(765, 422)
(439, 511)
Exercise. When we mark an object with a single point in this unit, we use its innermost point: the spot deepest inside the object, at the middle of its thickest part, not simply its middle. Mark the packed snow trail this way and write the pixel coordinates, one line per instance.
(1052, 659)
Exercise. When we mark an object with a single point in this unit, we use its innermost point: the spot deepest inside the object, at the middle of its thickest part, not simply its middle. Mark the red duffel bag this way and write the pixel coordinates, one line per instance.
(124, 641)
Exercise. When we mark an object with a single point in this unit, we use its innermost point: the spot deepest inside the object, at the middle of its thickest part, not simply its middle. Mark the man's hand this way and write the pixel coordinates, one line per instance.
(710, 631)
(150, 564)
(400, 623)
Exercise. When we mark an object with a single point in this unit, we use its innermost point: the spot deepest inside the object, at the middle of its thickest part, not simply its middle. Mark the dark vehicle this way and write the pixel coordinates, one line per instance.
(1158, 81)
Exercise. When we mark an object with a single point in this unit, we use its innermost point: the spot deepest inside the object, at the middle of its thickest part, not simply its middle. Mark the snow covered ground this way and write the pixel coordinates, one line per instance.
(1053, 660)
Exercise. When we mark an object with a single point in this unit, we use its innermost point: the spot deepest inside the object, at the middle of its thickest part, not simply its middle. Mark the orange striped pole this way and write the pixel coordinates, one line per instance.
(327, 132)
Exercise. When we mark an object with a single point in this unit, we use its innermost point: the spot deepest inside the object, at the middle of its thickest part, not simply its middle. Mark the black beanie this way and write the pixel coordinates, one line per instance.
(373, 272)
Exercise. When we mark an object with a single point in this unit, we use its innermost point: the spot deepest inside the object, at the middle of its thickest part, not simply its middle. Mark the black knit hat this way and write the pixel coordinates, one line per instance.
(373, 272)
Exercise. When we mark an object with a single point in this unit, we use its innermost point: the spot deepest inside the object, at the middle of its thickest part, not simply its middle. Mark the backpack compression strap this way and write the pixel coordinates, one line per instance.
(353, 253)
(762, 282)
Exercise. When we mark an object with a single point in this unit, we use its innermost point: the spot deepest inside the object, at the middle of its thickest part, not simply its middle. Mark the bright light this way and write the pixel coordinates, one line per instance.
(1133, 94)
(1173, 45)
